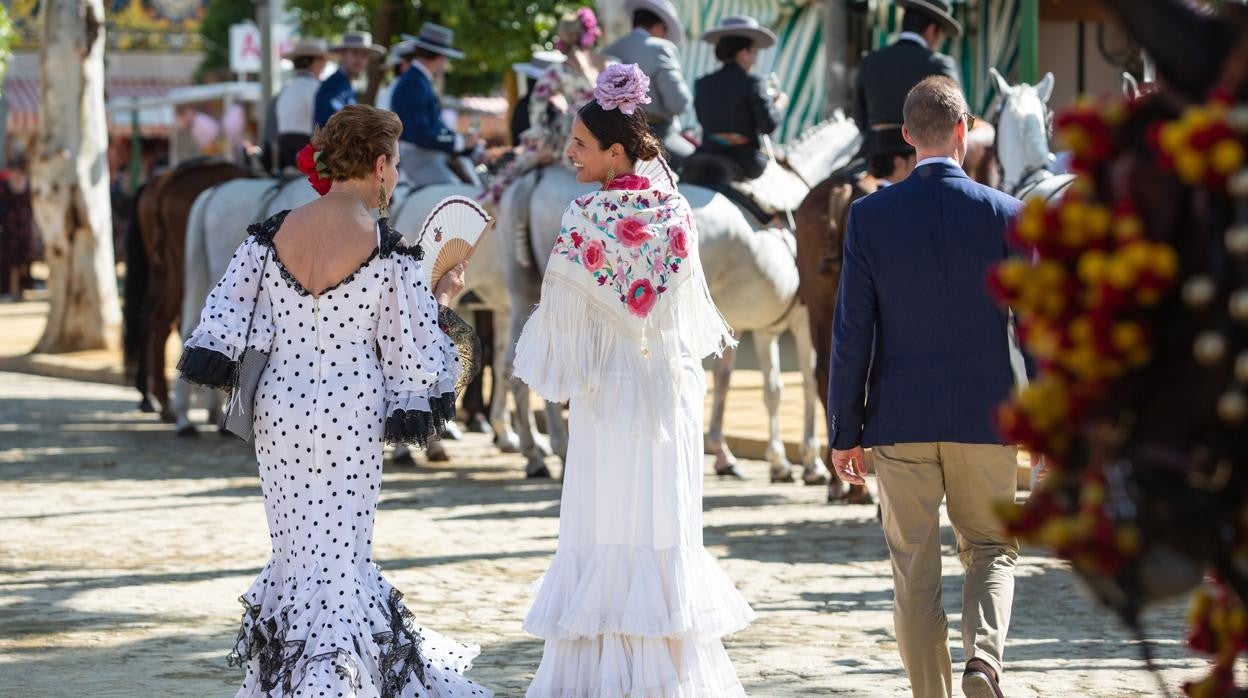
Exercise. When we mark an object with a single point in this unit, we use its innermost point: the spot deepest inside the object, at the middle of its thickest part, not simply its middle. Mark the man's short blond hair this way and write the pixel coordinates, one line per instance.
(932, 109)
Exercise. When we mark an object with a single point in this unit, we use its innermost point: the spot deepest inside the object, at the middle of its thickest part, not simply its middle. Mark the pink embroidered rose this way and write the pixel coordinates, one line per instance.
(595, 255)
(631, 231)
(630, 182)
(641, 298)
(679, 241)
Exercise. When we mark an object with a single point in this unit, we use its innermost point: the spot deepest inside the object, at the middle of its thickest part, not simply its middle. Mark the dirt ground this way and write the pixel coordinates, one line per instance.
(123, 550)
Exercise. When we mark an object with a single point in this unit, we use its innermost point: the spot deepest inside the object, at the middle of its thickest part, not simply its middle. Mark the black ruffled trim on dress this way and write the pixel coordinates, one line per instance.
(265, 641)
(392, 241)
(207, 367)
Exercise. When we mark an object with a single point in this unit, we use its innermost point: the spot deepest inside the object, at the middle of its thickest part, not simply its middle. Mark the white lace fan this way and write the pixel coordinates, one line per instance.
(450, 234)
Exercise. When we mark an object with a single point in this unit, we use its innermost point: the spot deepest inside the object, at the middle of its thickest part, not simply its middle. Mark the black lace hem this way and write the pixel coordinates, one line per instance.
(207, 367)
(265, 641)
(417, 427)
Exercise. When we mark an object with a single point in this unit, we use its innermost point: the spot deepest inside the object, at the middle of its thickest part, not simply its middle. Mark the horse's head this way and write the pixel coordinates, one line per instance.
(1022, 129)
(823, 148)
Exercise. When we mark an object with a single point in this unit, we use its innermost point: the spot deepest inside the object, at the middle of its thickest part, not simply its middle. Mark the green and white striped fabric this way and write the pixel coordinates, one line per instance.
(797, 59)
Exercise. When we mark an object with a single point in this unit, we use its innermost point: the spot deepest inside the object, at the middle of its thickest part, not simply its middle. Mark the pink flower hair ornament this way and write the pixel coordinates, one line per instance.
(622, 86)
(590, 22)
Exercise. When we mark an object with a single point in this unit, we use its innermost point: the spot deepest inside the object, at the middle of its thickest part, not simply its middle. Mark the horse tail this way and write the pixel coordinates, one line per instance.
(134, 291)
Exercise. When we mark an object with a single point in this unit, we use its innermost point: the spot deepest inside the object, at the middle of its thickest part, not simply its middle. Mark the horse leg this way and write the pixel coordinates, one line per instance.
(212, 401)
(505, 437)
(557, 431)
(158, 384)
(474, 395)
(436, 450)
(767, 346)
(814, 471)
(725, 462)
(181, 406)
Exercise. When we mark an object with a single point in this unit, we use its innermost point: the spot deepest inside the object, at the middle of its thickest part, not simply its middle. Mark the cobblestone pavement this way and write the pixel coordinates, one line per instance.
(123, 549)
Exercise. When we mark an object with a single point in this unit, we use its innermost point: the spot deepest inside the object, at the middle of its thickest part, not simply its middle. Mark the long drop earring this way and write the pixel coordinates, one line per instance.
(383, 202)
(610, 175)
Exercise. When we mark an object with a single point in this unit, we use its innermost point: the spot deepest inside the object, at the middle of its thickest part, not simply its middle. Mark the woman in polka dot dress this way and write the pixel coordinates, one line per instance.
(361, 353)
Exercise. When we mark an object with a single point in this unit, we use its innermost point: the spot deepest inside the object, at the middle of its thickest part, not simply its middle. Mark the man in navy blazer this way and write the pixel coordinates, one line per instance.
(921, 358)
(427, 144)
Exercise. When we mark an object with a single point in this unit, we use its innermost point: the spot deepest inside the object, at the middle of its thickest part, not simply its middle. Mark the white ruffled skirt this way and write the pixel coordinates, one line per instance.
(633, 605)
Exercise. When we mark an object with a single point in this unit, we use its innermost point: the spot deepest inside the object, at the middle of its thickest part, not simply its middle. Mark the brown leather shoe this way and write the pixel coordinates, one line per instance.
(980, 681)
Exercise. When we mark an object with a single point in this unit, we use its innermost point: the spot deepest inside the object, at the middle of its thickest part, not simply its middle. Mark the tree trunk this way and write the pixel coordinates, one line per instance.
(385, 28)
(69, 180)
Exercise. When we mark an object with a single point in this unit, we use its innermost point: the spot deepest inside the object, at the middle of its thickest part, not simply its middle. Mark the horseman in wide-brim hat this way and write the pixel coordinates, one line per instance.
(885, 76)
(429, 151)
(733, 104)
(294, 107)
(355, 50)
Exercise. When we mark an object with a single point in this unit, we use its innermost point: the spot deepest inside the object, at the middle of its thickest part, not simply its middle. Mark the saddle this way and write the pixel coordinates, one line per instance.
(777, 191)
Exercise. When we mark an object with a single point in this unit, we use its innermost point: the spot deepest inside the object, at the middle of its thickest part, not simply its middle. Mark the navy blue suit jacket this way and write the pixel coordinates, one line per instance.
(920, 351)
(333, 94)
(420, 110)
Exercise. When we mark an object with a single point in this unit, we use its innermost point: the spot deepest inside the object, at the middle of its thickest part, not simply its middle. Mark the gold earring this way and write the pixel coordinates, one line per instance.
(383, 201)
(610, 174)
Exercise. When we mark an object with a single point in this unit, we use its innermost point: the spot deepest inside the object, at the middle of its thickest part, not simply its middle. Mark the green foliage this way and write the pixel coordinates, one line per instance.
(218, 17)
(493, 33)
(7, 35)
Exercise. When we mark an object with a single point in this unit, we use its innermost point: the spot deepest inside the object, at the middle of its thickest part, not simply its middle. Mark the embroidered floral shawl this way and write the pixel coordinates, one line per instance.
(624, 303)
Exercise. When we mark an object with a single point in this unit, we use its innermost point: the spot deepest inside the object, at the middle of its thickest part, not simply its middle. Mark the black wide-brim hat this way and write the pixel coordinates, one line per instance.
(939, 10)
(886, 141)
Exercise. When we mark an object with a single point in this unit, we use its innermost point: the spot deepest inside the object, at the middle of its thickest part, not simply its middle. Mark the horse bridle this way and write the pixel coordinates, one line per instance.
(1028, 179)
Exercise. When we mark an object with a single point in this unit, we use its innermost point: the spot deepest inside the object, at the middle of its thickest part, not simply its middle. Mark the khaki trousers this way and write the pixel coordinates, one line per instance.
(913, 479)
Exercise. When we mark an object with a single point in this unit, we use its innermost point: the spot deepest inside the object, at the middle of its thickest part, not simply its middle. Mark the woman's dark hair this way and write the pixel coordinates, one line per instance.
(646, 19)
(631, 131)
(727, 48)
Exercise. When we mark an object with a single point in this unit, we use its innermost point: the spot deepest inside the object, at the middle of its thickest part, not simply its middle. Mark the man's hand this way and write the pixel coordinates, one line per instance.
(851, 465)
(470, 140)
(1039, 467)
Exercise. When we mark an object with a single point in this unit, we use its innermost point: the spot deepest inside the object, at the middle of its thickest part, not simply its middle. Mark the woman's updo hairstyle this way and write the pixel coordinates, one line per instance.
(351, 140)
(631, 131)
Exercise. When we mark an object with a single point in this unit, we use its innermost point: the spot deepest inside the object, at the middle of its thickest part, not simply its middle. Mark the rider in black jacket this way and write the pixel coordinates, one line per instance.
(733, 105)
(886, 76)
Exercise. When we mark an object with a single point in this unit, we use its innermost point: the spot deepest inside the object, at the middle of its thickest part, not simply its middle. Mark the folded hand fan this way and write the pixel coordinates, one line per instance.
(450, 234)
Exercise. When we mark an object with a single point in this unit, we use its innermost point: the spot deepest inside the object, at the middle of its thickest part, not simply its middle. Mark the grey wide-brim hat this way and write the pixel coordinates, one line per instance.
(361, 41)
(939, 10)
(666, 11)
(740, 25)
(436, 38)
(541, 62)
(308, 48)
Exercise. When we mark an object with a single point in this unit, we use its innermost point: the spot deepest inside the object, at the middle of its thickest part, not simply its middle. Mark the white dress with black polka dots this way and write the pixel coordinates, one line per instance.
(321, 620)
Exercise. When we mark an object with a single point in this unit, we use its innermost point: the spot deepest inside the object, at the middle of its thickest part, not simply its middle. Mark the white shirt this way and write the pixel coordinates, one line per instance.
(916, 38)
(933, 160)
(296, 104)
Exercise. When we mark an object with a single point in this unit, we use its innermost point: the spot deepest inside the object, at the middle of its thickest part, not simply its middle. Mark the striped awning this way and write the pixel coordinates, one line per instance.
(23, 98)
(798, 59)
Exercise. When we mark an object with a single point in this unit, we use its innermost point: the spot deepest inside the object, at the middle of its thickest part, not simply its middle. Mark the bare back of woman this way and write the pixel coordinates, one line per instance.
(324, 242)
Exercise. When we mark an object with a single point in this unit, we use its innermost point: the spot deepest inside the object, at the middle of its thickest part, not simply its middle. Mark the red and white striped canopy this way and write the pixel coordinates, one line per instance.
(23, 97)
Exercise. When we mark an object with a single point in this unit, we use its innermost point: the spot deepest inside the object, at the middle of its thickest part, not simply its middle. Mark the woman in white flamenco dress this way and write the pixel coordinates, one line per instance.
(632, 604)
(374, 357)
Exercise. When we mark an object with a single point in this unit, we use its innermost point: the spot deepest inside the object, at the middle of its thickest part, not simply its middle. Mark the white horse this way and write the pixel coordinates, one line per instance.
(1023, 139)
(218, 223)
(749, 267)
